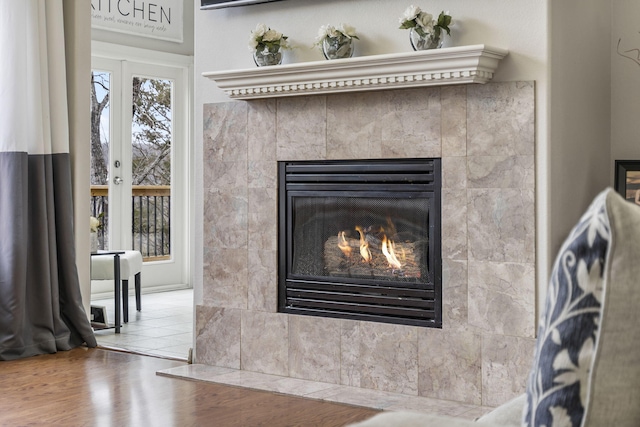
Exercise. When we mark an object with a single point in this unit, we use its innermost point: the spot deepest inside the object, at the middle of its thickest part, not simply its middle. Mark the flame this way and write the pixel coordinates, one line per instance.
(364, 245)
(389, 253)
(343, 244)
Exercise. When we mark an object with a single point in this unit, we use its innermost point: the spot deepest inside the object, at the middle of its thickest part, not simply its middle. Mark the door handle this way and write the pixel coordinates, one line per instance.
(117, 180)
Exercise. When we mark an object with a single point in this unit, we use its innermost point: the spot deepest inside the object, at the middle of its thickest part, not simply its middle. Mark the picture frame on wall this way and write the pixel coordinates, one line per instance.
(627, 180)
(219, 4)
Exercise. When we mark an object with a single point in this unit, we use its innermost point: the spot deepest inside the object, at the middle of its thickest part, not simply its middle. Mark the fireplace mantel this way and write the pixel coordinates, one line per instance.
(446, 66)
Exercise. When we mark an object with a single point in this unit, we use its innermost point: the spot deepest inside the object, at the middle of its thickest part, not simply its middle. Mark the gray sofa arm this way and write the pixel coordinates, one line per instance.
(507, 415)
(414, 419)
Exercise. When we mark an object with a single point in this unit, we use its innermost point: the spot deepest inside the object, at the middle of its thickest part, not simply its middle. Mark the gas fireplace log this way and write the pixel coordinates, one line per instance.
(345, 259)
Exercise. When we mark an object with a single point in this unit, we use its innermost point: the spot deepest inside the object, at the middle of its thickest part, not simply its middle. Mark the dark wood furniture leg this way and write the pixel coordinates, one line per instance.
(125, 301)
(116, 281)
(138, 298)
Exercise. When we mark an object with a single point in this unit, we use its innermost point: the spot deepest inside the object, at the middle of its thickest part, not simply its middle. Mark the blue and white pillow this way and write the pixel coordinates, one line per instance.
(569, 328)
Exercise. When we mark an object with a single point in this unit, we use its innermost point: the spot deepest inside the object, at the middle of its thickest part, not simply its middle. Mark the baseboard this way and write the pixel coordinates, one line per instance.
(144, 290)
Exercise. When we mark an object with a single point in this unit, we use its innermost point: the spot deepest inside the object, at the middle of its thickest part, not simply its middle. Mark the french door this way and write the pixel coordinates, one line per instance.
(139, 167)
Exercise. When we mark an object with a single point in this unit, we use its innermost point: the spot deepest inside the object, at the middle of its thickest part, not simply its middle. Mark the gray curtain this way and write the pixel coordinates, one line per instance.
(40, 303)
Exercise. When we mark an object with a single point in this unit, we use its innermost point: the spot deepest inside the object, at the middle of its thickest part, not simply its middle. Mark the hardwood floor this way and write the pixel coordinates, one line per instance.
(96, 387)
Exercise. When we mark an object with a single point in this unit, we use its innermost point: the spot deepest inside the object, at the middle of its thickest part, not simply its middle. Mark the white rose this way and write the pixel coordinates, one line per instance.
(332, 32)
(411, 13)
(348, 30)
(425, 20)
(271, 36)
(253, 43)
(260, 30)
(322, 31)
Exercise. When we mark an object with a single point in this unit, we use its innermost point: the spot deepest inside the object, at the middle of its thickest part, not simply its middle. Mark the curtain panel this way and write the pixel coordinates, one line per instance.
(40, 303)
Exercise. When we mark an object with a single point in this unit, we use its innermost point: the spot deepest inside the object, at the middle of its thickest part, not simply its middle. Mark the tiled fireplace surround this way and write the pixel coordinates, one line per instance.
(485, 136)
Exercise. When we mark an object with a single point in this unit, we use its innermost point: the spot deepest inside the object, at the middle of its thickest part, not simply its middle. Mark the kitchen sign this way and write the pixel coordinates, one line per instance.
(160, 19)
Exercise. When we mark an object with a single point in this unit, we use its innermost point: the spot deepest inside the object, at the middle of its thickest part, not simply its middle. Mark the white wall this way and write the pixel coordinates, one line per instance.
(625, 84)
(78, 62)
(517, 25)
(579, 111)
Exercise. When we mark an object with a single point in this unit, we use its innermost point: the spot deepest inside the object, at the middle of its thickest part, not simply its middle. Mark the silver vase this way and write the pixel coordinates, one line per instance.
(265, 57)
(337, 47)
(431, 40)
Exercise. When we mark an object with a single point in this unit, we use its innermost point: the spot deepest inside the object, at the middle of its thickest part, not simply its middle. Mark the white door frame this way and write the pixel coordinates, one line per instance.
(123, 60)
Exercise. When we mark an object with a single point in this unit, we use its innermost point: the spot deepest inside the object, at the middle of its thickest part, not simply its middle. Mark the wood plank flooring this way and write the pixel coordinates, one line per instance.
(97, 387)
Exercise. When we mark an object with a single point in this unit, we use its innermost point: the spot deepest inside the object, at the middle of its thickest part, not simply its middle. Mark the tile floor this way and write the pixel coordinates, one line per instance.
(164, 326)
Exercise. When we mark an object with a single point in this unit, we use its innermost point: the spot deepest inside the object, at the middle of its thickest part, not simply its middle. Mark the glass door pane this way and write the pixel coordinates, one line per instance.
(100, 144)
(151, 166)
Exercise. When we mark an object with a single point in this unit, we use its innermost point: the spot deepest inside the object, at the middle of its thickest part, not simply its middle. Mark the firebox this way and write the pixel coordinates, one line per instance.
(361, 240)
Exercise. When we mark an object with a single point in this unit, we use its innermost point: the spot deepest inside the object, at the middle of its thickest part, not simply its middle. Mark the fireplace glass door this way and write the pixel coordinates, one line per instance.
(361, 240)
(371, 238)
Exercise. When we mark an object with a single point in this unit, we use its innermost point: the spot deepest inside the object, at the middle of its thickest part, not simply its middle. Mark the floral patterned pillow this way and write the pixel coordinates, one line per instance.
(569, 328)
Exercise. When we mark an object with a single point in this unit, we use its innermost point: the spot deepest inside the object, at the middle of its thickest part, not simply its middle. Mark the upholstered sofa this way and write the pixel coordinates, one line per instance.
(586, 367)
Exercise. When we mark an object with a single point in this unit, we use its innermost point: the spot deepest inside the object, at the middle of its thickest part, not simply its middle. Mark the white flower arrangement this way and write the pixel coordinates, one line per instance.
(338, 34)
(94, 223)
(423, 22)
(264, 39)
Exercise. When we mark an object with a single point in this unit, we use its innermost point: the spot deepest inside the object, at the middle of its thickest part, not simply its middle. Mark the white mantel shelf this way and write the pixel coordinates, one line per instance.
(446, 66)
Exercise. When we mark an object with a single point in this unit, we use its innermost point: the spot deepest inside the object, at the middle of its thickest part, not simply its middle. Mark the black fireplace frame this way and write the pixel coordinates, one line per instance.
(418, 304)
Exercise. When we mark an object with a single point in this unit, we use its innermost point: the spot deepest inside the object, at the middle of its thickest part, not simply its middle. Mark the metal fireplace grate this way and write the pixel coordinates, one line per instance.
(361, 240)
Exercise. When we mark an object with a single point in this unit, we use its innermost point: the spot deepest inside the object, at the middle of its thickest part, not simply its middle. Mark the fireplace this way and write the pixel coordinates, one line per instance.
(484, 135)
(361, 240)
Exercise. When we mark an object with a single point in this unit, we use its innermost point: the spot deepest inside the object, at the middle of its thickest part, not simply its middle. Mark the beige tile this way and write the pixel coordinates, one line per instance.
(454, 172)
(301, 128)
(454, 224)
(450, 365)
(454, 120)
(254, 380)
(261, 130)
(263, 218)
(501, 225)
(359, 397)
(455, 288)
(225, 220)
(506, 362)
(225, 278)
(195, 371)
(350, 353)
(265, 343)
(501, 172)
(242, 378)
(431, 406)
(224, 132)
(262, 280)
(500, 119)
(502, 298)
(314, 348)
(223, 176)
(411, 123)
(262, 174)
(389, 357)
(354, 126)
(217, 337)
